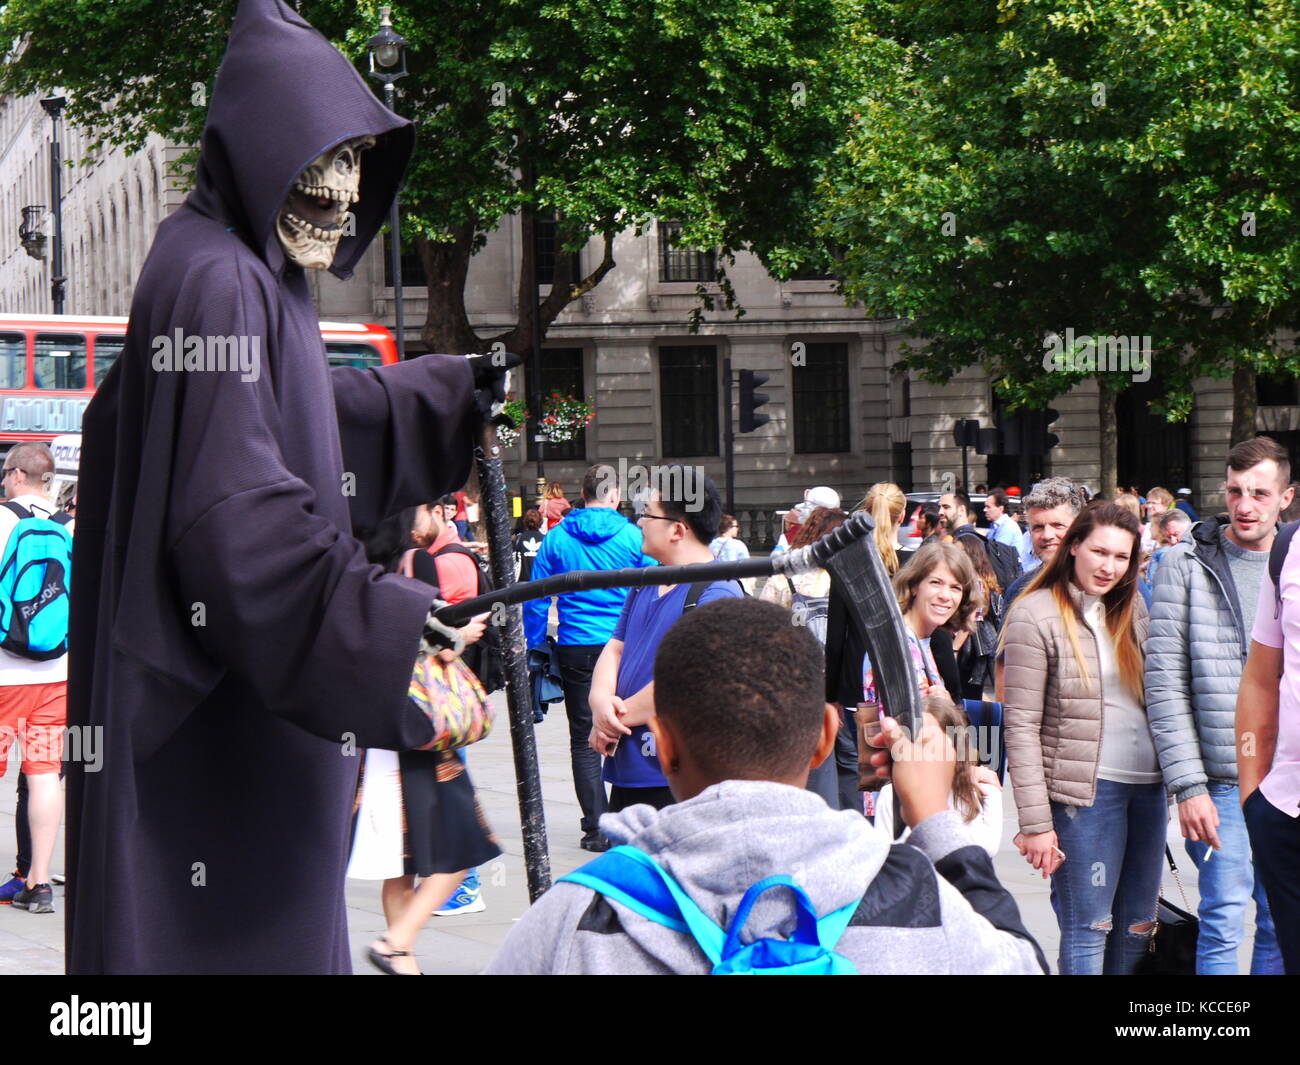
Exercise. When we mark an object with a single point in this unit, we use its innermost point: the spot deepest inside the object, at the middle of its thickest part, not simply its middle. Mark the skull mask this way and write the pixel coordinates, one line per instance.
(315, 214)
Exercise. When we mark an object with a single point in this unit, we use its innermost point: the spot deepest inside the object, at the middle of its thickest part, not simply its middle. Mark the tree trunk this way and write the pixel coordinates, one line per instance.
(1243, 405)
(446, 327)
(1106, 404)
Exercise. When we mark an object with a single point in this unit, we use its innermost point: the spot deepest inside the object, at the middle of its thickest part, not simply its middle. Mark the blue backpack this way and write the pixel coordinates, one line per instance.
(34, 576)
(632, 877)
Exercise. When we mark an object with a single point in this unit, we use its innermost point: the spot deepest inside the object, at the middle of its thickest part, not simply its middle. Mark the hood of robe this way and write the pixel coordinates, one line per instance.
(283, 96)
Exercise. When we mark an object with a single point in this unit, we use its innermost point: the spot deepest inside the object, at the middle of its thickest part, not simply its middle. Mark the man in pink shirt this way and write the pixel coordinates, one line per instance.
(1268, 750)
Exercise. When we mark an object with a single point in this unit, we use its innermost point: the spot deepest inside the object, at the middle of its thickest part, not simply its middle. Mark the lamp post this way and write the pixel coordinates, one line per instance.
(29, 231)
(54, 106)
(387, 64)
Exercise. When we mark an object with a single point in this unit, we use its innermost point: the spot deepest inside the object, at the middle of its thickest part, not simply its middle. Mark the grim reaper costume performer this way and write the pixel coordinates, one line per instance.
(227, 631)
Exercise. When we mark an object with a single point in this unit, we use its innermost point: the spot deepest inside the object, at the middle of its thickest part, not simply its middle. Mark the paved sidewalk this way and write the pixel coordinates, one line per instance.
(33, 943)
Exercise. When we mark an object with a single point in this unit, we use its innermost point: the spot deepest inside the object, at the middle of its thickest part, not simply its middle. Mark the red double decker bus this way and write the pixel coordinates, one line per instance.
(51, 364)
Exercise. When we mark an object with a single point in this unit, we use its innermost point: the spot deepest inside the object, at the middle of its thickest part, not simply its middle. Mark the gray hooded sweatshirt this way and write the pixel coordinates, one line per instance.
(932, 905)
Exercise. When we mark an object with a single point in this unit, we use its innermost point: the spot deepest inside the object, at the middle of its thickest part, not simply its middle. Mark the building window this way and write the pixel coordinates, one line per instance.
(821, 399)
(902, 472)
(548, 241)
(683, 264)
(562, 373)
(688, 400)
(1276, 391)
(412, 265)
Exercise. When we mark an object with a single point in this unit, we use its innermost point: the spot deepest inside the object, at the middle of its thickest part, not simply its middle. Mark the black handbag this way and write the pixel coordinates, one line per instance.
(1172, 949)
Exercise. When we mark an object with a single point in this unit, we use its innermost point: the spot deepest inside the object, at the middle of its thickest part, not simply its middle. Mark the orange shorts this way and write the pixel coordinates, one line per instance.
(37, 715)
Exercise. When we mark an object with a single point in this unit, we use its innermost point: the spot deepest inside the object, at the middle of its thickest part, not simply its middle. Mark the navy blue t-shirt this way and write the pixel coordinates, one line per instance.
(646, 616)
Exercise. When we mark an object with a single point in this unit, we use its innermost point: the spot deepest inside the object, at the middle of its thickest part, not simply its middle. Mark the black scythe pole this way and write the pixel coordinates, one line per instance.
(508, 623)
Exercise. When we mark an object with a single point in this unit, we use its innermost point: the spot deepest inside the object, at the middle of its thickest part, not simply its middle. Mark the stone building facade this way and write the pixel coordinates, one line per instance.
(839, 417)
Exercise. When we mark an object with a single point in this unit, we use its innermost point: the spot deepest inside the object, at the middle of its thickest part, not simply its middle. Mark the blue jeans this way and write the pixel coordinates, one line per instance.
(1228, 881)
(1110, 879)
(1275, 839)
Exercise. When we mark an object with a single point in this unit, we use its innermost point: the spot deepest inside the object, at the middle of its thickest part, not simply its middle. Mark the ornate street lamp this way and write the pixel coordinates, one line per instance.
(387, 64)
(29, 231)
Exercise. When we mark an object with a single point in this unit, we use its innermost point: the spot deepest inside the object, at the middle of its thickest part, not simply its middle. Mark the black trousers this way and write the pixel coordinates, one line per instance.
(1275, 843)
(846, 762)
(576, 664)
(23, 829)
(621, 798)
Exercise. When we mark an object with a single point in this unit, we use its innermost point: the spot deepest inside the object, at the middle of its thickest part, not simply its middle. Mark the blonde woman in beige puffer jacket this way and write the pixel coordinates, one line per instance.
(1084, 770)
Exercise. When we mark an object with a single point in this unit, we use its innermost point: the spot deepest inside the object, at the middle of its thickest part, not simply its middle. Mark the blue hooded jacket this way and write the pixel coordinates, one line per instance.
(589, 538)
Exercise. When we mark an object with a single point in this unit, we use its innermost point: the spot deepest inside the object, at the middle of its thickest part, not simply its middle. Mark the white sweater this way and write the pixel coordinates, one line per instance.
(985, 830)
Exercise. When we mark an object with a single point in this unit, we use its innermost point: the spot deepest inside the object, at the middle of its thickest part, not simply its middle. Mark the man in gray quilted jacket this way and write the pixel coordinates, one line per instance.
(1203, 605)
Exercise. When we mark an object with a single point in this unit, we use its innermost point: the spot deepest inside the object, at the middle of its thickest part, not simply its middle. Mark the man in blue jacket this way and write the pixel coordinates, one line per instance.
(595, 536)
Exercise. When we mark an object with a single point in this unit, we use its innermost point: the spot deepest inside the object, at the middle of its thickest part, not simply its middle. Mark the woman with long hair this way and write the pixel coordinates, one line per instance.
(1084, 769)
(416, 814)
(976, 649)
(886, 504)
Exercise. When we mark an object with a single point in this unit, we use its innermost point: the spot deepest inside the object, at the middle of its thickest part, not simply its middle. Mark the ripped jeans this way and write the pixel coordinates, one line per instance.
(1110, 879)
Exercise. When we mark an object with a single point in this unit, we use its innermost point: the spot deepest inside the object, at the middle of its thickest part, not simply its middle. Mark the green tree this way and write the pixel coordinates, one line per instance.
(1121, 167)
(606, 113)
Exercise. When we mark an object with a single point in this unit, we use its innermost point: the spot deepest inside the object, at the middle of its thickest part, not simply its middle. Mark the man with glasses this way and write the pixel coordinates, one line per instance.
(678, 522)
(33, 704)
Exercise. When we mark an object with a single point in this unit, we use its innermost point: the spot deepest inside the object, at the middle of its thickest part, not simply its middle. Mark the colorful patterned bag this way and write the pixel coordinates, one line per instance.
(453, 699)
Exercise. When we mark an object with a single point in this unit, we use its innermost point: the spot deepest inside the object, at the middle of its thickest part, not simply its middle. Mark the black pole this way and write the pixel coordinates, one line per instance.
(395, 251)
(53, 106)
(965, 483)
(728, 432)
(534, 326)
(508, 623)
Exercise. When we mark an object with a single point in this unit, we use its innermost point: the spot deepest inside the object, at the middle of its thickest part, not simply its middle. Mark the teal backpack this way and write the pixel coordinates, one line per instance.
(34, 576)
(632, 877)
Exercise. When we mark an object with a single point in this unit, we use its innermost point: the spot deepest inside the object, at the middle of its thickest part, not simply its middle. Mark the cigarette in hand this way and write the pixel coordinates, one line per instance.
(1060, 852)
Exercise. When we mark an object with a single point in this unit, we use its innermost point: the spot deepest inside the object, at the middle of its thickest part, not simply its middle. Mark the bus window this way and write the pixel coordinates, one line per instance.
(359, 355)
(107, 349)
(60, 361)
(13, 360)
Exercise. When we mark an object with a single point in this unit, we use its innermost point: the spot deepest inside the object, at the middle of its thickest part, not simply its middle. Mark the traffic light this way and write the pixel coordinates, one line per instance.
(1037, 440)
(750, 401)
(965, 432)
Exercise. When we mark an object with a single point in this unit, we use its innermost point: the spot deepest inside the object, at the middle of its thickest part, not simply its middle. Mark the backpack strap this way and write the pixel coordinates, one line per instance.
(17, 509)
(693, 596)
(461, 549)
(62, 518)
(630, 876)
(1277, 556)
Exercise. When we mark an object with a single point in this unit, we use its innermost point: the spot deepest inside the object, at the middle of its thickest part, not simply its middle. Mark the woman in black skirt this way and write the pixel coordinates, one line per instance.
(443, 831)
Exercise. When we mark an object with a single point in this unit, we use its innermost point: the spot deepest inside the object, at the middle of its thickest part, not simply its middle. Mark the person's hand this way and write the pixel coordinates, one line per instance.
(982, 774)
(1041, 850)
(1199, 820)
(602, 743)
(922, 768)
(473, 630)
(606, 715)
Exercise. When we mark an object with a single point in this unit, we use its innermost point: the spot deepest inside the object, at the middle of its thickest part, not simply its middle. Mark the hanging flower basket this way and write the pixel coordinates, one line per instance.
(564, 417)
(518, 411)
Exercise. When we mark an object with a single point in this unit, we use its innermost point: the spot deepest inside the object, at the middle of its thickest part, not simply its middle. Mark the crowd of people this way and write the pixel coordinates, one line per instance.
(1120, 640)
(1134, 653)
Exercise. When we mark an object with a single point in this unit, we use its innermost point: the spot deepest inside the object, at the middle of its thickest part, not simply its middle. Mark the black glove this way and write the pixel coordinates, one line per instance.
(492, 384)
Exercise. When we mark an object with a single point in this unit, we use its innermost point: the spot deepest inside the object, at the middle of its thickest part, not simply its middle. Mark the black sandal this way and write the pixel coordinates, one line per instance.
(382, 963)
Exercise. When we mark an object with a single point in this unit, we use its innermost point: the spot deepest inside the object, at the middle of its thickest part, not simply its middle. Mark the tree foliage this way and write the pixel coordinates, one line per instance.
(606, 112)
(1122, 167)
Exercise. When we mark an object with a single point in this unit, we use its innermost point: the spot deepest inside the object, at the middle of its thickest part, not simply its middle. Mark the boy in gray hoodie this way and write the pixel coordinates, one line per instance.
(740, 720)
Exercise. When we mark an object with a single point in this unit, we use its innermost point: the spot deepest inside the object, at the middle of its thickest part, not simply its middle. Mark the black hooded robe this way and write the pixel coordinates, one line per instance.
(227, 633)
